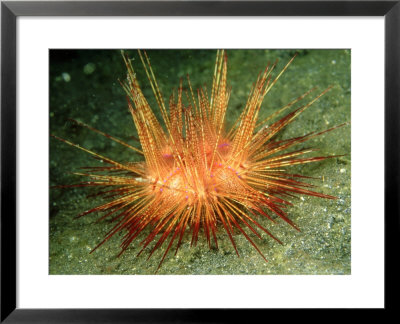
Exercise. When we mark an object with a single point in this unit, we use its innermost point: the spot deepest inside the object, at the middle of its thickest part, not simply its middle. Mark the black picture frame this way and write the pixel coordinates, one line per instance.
(10, 10)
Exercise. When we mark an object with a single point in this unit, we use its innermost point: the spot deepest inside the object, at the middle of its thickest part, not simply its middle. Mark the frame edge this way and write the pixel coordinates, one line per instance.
(8, 161)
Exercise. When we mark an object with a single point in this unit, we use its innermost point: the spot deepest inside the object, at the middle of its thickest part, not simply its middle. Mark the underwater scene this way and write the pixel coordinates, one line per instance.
(251, 173)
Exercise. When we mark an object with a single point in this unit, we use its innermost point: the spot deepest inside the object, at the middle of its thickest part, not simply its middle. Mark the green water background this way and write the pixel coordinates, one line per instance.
(84, 86)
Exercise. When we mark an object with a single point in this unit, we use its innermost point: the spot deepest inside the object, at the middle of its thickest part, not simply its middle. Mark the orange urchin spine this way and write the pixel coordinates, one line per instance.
(196, 175)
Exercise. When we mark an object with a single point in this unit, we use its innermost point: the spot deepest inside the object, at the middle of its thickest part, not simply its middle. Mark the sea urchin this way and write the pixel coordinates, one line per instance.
(196, 175)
